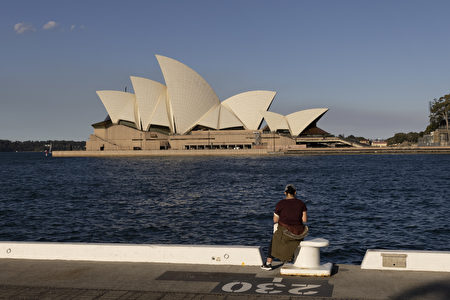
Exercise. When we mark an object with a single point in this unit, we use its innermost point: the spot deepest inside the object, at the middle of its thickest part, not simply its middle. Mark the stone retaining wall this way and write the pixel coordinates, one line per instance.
(232, 152)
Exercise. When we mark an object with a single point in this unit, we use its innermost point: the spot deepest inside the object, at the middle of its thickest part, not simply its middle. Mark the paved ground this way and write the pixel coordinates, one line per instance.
(33, 279)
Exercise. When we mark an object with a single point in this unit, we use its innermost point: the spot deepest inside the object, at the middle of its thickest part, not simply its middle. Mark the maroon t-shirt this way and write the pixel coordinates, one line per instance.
(290, 212)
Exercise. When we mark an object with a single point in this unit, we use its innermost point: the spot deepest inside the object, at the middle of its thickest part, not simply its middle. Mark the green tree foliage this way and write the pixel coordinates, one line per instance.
(439, 110)
(356, 138)
(39, 146)
(400, 138)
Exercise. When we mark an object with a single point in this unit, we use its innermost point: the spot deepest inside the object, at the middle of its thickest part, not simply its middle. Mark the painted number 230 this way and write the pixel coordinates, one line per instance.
(270, 288)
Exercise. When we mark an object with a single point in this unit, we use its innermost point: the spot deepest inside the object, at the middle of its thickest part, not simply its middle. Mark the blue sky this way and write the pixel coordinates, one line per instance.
(374, 64)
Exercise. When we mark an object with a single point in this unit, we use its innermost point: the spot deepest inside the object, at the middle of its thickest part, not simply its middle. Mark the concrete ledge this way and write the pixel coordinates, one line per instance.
(406, 260)
(370, 150)
(131, 153)
(320, 271)
(232, 152)
(181, 254)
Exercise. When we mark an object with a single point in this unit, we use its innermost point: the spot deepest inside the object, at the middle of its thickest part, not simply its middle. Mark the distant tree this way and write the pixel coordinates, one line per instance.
(39, 146)
(356, 138)
(6, 146)
(439, 110)
(399, 138)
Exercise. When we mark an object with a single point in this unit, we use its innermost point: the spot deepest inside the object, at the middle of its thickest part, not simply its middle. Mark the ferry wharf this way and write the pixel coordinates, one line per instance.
(63, 279)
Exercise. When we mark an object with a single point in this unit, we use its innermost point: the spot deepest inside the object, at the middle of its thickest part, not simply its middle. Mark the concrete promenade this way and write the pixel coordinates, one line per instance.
(58, 279)
(253, 152)
(206, 152)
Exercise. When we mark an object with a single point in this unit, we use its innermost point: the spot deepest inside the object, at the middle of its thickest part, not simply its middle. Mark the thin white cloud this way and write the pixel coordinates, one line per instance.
(49, 25)
(22, 27)
(76, 27)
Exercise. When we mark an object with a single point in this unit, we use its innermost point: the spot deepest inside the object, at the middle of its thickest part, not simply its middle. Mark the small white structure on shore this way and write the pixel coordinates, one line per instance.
(406, 260)
(307, 262)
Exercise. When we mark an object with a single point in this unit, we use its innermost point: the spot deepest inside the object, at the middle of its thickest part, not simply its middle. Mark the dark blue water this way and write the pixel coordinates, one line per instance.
(357, 202)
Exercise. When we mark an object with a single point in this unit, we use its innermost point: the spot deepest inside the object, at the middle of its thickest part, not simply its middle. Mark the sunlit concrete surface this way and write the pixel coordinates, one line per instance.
(231, 152)
(217, 152)
(37, 279)
(407, 260)
(194, 254)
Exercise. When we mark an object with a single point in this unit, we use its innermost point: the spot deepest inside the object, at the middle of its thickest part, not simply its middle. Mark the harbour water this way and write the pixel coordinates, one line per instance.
(357, 202)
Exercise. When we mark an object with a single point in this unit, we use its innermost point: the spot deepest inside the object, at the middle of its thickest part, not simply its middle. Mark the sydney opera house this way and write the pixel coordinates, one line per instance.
(185, 113)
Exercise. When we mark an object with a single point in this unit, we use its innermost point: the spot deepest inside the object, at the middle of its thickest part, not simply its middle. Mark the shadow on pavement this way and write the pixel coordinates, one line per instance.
(435, 290)
(334, 270)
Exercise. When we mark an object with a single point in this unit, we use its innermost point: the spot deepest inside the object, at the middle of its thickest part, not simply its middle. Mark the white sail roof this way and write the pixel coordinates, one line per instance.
(211, 118)
(227, 119)
(246, 106)
(220, 117)
(187, 100)
(119, 105)
(275, 121)
(299, 120)
(190, 96)
(147, 92)
(161, 115)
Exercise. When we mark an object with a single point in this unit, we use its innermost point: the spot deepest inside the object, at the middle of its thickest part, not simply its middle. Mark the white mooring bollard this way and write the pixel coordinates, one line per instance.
(307, 262)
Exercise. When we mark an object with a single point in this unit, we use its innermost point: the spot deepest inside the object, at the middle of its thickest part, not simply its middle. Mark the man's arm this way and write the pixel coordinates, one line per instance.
(304, 217)
(276, 218)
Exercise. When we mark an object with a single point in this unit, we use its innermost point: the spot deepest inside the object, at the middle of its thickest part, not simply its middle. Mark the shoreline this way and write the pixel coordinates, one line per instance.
(257, 152)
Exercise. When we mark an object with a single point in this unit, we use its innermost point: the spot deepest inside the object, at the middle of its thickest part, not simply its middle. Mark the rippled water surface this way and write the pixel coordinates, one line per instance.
(357, 202)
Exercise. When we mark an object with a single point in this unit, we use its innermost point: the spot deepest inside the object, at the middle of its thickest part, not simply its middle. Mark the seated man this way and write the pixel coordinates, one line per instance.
(290, 214)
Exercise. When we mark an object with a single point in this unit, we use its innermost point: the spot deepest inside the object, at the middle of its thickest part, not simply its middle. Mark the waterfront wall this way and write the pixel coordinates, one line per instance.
(371, 150)
(205, 152)
(180, 254)
(244, 152)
